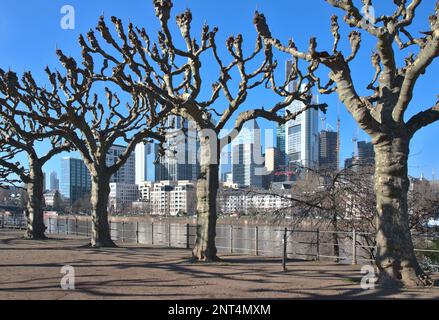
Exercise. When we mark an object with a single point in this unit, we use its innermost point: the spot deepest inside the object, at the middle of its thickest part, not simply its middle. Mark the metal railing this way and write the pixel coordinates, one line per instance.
(285, 243)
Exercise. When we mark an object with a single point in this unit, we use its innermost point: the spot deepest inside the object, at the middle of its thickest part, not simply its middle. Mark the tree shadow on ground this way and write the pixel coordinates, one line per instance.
(254, 276)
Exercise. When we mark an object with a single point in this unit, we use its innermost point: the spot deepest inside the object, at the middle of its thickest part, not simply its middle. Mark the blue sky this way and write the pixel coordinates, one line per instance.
(30, 31)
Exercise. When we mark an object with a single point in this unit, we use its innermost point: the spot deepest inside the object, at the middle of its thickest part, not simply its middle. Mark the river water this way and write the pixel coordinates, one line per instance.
(264, 240)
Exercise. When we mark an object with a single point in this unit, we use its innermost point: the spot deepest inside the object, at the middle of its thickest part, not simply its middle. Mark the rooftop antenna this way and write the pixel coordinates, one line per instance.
(355, 140)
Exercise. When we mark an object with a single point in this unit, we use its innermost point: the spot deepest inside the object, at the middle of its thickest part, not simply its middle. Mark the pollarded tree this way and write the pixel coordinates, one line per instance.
(21, 135)
(173, 77)
(73, 109)
(381, 115)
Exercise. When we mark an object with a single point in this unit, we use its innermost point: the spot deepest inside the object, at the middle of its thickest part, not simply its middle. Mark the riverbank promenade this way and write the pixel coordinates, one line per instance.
(33, 270)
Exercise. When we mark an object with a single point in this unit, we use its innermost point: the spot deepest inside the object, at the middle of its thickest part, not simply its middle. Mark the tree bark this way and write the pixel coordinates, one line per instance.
(100, 192)
(395, 257)
(207, 190)
(335, 243)
(34, 209)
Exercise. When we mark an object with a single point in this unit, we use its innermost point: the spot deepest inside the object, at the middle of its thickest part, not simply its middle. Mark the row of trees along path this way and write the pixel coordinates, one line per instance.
(159, 79)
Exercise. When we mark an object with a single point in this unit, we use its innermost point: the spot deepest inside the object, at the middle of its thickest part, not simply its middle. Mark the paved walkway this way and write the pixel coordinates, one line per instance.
(32, 270)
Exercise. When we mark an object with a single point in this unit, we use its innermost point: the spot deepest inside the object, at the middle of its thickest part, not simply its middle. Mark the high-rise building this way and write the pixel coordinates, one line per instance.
(328, 153)
(44, 182)
(280, 137)
(247, 160)
(180, 161)
(144, 158)
(127, 173)
(302, 133)
(275, 166)
(349, 162)
(366, 153)
(225, 163)
(279, 156)
(54, 181)
(75, 180)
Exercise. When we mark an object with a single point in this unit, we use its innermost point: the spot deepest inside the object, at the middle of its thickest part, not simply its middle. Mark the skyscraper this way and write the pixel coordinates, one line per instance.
(180, 161)
(366, 153)
(247, 161)
(328, 153)
(126, 174)
(75, 180)
(280, 160)
(302, 133)
(144, 158)
(54, 181)
(44, 182)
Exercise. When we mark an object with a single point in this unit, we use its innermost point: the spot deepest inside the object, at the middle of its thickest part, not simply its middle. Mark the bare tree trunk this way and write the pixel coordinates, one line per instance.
(100, 191)
(335, 242)
(395, 252)
(34, 211)
(207, 190)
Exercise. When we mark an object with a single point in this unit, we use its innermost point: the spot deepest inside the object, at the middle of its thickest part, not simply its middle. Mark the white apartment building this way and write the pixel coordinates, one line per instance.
(169, 197)
(145, 189)
(242, 202)
(182, 199)
(121, 195)
(49, 198)
(159, 198)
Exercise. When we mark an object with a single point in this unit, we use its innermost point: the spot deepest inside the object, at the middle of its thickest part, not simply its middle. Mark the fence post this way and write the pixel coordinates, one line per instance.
(354, 246)
(257, 241)
(50, 229)
(169, 232)
(76, 225)
(318, 244)
(137, 231)
(187, 236)
(123, 231)
(284, 255)
(67, 226)
(231, 238)
(86, 229)
(3, 220)
(57, 225)
(152, 233)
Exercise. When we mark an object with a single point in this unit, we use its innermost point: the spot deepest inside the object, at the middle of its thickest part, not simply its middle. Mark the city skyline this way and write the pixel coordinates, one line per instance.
(325, 117)
(20, 21)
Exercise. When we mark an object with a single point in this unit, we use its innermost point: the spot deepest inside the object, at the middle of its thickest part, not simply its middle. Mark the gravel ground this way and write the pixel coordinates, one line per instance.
(32, 270)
